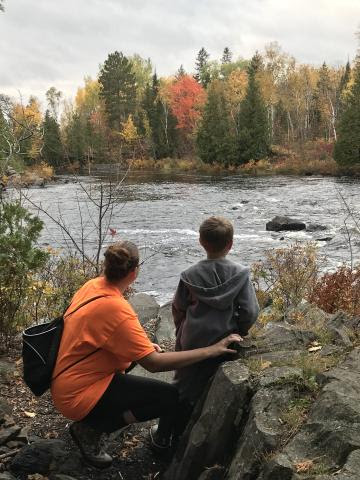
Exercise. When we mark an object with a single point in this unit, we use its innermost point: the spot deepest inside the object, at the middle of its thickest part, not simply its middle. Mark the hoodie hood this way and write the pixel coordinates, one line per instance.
(216, 282)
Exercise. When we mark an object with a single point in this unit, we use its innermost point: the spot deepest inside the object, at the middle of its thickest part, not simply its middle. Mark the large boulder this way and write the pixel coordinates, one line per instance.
(279, 223)
(165, 331)
(145, 306)
(44, 457)
(209, 437)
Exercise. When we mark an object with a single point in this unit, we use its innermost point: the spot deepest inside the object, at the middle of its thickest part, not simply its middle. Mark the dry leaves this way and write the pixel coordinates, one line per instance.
(29, 414)
(304, 467)
(265, 365)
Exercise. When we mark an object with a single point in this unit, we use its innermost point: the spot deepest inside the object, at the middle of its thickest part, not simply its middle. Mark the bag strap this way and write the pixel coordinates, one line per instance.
(91, 353)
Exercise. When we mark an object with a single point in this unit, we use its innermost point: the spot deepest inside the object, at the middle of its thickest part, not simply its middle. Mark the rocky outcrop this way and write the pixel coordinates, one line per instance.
(279, 223)
(292, 420)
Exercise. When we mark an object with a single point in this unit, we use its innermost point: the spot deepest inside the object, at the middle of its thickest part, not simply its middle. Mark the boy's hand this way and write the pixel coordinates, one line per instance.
(223, 346)
(157, 347)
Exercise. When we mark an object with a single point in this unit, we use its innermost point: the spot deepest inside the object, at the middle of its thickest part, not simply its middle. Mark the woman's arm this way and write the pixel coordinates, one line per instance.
(162, 362)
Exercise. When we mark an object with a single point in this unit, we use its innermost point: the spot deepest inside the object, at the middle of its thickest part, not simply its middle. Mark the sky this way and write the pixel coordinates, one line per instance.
(46, 43)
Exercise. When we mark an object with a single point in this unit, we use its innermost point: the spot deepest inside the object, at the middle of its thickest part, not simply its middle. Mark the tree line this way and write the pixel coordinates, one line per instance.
(228, 111)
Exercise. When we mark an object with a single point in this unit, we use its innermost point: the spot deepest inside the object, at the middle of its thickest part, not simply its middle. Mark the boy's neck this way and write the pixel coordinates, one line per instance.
(215, 256)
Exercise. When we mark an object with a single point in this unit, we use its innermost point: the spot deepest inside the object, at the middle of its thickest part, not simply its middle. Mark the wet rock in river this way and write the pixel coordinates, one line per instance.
(280, 223)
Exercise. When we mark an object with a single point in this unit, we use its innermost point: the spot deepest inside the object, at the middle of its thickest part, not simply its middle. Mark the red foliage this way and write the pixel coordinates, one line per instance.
(187, 97)
(338, 291)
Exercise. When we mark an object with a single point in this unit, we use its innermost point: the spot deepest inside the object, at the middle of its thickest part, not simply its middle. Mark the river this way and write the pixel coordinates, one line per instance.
(162, 212)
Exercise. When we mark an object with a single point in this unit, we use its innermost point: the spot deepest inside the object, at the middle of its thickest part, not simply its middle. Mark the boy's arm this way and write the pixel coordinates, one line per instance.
(248, 307)
(179, 305)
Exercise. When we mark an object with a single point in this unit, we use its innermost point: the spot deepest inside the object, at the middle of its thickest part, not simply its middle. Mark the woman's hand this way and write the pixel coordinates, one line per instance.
(221, 347)
(157, 347)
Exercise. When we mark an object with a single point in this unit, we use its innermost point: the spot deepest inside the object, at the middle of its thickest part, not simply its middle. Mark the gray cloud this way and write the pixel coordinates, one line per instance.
(46, 42)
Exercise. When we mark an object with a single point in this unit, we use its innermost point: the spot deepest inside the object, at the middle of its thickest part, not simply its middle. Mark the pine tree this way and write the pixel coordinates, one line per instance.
(344, 81)
(52, 150)
(254, 139)
(118, 88)
(202, 68)
(347, 147)
(227, 56)
(161, 123)
(181, 72)
(216, 141)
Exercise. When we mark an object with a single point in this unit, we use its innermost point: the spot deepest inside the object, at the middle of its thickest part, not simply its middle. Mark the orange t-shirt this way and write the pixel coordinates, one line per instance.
(109, 323)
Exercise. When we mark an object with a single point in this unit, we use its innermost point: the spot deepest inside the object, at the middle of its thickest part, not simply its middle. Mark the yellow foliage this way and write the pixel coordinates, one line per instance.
(129, 131)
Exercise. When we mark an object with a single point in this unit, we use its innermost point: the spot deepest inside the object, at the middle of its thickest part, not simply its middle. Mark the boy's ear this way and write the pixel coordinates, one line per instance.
(229, 245)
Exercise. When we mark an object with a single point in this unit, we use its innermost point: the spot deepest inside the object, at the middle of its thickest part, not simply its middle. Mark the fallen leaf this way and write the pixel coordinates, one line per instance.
(29, 414)
(304, 466)
(314, 349)
(265, 365)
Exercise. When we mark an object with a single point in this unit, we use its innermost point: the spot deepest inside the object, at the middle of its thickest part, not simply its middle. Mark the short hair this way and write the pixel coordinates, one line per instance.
(120, 259)
(216, 233)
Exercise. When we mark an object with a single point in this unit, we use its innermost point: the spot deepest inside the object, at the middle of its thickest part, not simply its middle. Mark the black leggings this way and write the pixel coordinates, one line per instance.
(144, 397)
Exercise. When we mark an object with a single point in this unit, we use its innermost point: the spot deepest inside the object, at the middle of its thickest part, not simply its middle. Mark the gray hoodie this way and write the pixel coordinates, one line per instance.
(214, 298)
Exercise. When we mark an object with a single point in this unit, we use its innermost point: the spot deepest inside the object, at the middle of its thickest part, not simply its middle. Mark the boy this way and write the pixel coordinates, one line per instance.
(214, 298)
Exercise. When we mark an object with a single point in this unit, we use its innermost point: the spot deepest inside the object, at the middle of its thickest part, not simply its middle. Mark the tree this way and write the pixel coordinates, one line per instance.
(347, 147)
(202, 67)
(52, 150)
(118, 89)
(216, 139)
(181, 72)
(186, 99)
(161, 121)
(53, 98)
(253, 121)
(2, 5)
(227, 56)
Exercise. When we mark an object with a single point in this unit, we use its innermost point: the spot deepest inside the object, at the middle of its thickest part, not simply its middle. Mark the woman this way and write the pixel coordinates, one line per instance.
(100, 340)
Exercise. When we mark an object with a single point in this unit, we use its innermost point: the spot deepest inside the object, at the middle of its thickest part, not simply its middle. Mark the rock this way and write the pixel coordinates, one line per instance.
(315, 227)
(339, 326)
(5, 409)
(324, 239)
(6, 476)
(279, 223)
(275, 375)
(39, 182)
(165, 331)
(60, 476)
(262, 433)
(213, 473)
(6, 369)
(45, 456)
(145, 306)
(234, 208)
(7, 434)
(281, 336)
(332, 430)
(219, 419)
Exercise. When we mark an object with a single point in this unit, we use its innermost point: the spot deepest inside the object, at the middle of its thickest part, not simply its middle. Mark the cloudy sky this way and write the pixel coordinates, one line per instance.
(47, 43)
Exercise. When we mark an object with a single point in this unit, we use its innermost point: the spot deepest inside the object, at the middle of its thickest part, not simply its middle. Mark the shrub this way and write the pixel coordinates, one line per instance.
(338, 290)
(287, 275)
(19, 260)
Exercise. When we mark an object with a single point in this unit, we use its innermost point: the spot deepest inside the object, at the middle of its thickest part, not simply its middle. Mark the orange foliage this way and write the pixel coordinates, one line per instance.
(187, 97)
(339, 290)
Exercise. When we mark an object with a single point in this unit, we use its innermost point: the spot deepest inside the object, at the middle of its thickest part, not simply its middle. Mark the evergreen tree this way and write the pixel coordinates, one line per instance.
(202, 68)
(254, 139)
(227, 56)
(161, 122)
(344, 81)
(216, 141)
(52, 150)
(347, 147)
(181, 72)
(76, 140)
(118, 89)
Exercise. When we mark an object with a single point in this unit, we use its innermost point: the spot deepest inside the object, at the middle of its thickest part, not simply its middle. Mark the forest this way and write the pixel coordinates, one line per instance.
(230, 112)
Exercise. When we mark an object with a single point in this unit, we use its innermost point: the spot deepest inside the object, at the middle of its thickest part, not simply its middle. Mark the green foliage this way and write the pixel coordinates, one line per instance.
(215, 139)
(161, 122)
(19, 259)
(52, 150)
(118, 88)
(347, 147)
(202, 68)
(254, 138)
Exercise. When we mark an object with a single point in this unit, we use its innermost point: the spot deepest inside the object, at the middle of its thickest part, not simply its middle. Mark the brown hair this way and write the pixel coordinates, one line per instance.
(120, 259)
(216, 233)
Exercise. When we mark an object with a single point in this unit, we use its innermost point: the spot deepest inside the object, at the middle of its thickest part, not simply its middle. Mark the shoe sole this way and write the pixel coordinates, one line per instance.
(156, 447)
